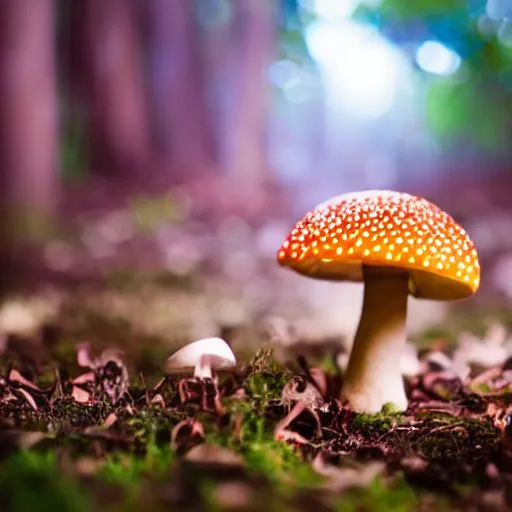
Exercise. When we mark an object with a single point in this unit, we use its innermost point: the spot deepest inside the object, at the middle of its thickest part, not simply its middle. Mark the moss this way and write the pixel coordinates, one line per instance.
(127, 469)
(150, 422)
(450, 437)
(375, 424)
(266, 378)
(264, 361)
(266, 386)
(379, 497)
(32, 481)
(279, 462)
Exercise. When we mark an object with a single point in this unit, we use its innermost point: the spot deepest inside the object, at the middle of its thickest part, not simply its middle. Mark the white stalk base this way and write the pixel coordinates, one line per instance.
(373, 377)
(203, 368)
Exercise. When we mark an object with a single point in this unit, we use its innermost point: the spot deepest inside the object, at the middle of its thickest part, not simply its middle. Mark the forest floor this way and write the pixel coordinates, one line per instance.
(90, 427)
(89, 420)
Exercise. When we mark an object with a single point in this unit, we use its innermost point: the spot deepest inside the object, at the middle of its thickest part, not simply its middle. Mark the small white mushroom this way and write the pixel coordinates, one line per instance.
(204, 356)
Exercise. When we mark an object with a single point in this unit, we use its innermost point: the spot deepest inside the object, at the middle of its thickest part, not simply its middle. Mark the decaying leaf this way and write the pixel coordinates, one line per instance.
(298, 389)
(186, 434)
(81, 395)
(214, 454)
(109, 374)
(342, 478)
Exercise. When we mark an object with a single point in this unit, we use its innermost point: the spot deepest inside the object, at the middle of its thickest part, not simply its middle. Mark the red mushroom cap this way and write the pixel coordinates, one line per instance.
(383, 228)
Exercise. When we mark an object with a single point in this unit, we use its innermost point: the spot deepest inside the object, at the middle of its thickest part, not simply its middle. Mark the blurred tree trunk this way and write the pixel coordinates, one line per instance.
(28, 104)
(250, 53)
(180, 117)
(28, 125)
(107, 74)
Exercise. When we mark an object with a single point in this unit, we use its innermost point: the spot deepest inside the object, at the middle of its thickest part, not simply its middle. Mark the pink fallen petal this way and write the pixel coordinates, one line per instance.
(80, 395)
(29, 398)
(15, 376)
(84, 378)
(110, 420)
(83, 355)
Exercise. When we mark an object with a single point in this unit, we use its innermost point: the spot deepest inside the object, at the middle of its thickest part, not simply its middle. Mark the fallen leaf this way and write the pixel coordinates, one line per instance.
(15, 376)
(212, 453)
(29, 398)
(80, 395)
(342, 478)
(186, 434)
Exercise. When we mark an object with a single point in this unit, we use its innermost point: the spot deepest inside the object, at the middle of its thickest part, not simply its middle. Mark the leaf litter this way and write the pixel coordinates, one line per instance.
(267, 431)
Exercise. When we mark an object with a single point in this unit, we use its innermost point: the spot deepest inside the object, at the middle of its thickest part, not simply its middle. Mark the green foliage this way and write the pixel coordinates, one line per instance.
(127, 469)
(31, 481)
(267, 377)
(405, 10)
(280, 462)
(150, 421)
(378, 497)
(465, 109)
(266, 386)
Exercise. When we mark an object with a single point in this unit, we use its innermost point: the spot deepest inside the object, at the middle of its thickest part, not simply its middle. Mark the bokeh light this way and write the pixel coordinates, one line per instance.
(434, 57)
(362, 71)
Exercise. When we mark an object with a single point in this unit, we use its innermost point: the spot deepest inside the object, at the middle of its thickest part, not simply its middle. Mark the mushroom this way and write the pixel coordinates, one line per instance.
(203, 355)
(397, 244)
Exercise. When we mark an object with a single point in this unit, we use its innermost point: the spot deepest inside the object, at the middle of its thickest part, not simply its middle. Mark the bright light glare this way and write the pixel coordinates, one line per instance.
(334, 10)
(434, 57)
(362, 71)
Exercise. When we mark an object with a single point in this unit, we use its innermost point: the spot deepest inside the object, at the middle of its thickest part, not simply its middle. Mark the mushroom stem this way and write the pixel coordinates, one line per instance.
(373, 377)
(203, 368)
